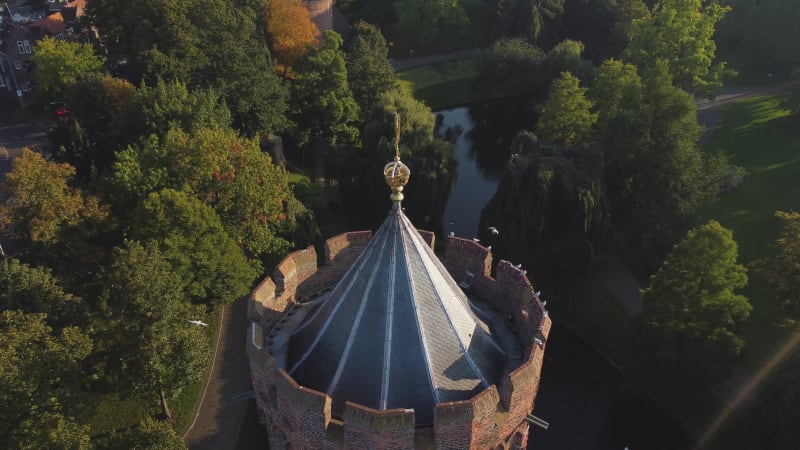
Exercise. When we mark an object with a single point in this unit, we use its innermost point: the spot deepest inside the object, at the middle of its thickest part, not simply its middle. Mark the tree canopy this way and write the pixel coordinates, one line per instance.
(290, 29)
(565, 117)
(434, 22)
(210, 265)
(228, 173)
(550, 205)
(42, 205)
(431, 160)
(59, 64)
(35, 290)
(324, 108)
(38, 374)
(369, 72)
(691, 299)
(680, 32)
(154, 347)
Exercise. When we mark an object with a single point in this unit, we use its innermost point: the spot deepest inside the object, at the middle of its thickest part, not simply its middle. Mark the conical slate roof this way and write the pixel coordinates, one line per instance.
(396, 331)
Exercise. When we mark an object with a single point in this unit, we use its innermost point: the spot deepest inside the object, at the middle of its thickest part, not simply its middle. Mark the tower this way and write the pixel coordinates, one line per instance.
(321, 14)
(386, 346)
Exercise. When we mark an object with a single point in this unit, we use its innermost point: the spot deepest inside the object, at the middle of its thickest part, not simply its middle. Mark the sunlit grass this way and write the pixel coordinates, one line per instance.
(447, 84)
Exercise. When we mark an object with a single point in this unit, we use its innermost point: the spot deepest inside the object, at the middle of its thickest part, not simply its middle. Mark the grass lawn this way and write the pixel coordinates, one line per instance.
(761, 137)
(447, 84)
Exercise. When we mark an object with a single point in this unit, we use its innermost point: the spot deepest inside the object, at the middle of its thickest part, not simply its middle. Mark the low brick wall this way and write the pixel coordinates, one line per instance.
(367, 428)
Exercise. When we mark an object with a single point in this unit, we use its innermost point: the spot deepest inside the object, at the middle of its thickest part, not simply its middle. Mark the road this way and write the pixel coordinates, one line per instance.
(16, 133)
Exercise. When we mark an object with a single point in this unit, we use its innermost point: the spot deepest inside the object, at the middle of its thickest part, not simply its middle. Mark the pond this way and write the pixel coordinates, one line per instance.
(589, 403)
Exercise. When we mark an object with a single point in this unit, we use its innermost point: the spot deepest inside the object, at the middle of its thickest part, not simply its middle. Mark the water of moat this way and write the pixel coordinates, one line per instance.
(589, 403)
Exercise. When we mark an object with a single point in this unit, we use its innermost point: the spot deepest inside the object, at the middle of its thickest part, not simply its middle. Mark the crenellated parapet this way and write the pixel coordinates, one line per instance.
(300, 417)
(297, 277)
(511, 292)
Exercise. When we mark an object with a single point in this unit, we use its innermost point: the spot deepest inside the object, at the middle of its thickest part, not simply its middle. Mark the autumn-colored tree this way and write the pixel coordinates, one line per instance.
(290, 29)
(41, 204)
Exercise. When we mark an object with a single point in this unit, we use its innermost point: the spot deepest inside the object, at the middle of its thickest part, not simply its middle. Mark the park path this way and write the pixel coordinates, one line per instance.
(402, 64)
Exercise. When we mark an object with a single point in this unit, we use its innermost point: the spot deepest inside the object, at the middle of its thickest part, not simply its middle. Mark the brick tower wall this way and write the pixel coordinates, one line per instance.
(494, 418)
(321, 14)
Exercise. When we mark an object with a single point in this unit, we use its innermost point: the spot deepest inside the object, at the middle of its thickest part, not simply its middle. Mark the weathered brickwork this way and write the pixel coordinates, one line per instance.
(375, 429)
(298, 417)
(321, 12)
(468, 424)
(429, 237)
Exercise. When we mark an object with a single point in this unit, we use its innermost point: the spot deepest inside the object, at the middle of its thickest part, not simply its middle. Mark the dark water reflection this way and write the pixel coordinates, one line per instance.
(482, 151)
(589, 403)
(592, 406)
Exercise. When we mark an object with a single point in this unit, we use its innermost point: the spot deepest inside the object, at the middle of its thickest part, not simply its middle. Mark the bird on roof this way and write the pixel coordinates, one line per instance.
(489, 247)
(452, 234)
(493, 230)
(537, 294)
(518, 266)
(476, 239)
(198, 322)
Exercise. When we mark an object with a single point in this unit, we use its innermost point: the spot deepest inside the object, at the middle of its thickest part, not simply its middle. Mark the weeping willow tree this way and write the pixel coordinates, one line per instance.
(550, 205)
(432, 162)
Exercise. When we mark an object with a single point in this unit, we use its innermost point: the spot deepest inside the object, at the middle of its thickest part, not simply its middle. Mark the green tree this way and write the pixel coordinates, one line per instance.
(369, 72)
(35, 290)
(622, 128)
(323, 105)
(240, 70)
(229, 173)
(565, 118)
(691, 299)
(167, 104)
(179, 40)
(158, 351)
(782, 271)
(550, 205)
(647, 129)
(211, 267)
(43, 208)
(39, 375)
(59, 64)
(432, 23)
(515, 66)
(680, 32)
(545, 16)
(431, 160)
(566, 56)
(98, 105)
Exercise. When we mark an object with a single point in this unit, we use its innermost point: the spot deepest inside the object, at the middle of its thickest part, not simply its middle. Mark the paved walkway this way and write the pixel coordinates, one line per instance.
(219, 419)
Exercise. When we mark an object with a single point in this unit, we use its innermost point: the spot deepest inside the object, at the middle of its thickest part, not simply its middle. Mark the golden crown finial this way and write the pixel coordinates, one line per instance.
(396, 173)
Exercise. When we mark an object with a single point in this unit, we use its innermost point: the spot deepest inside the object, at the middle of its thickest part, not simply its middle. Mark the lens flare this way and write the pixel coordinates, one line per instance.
(762, 373)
